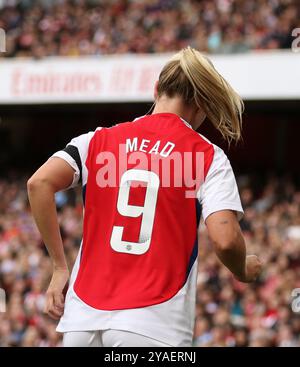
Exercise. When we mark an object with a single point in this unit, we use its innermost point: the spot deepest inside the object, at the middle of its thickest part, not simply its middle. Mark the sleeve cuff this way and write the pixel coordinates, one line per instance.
(67, 158)
(237, 208)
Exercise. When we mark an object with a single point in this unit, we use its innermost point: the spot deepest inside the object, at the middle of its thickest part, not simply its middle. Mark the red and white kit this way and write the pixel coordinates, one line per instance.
(137, 265)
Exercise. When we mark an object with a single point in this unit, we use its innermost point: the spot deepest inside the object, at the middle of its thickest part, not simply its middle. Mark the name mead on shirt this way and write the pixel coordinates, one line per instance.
(147, 146)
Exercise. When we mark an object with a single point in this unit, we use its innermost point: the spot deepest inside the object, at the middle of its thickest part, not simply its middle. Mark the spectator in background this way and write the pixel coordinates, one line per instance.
(94, 27)
(229, 313)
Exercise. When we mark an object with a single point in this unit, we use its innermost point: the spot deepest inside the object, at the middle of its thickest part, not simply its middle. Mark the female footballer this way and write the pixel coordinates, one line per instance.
(145, 185)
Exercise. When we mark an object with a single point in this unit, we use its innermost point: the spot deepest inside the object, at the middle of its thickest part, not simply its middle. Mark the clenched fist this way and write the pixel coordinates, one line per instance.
(253, 268)
(54, 306)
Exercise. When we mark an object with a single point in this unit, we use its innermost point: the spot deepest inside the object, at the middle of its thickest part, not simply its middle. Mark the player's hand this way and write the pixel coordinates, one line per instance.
(253, 269)
(55, 300)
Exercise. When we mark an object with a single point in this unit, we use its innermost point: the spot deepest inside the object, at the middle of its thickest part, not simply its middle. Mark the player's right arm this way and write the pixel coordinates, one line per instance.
(65, 169)
(53, 176)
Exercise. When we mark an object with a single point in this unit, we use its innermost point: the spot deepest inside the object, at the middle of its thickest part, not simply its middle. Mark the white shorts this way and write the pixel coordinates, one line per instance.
(109, 338)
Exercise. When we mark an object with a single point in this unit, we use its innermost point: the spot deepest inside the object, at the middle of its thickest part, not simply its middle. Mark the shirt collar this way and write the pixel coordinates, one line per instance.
(182, 119)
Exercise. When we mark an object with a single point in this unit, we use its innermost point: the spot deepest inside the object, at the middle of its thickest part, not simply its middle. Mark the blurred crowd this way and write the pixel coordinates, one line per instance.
(228, 313)
(38, 28)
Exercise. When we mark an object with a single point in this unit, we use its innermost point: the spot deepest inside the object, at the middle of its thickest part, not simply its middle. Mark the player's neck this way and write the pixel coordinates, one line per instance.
(176, 106)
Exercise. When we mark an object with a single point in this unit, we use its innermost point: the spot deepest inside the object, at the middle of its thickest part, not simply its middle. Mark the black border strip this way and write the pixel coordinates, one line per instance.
(74, 153)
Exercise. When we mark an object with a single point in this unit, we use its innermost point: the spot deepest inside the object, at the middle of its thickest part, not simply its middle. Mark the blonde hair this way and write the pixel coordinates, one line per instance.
(192, 76)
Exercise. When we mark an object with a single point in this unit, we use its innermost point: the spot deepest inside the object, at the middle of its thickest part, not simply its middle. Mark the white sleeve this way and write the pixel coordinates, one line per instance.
(75, 154)
(219, 190)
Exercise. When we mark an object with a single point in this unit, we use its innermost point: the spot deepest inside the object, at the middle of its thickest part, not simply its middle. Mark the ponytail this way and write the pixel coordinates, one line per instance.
(192, 76)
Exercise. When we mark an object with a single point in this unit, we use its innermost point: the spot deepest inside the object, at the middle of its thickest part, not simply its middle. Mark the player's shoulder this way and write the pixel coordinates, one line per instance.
(204, 140)
(215, 157)
(194, 136)
(86, 136)
(218, 152)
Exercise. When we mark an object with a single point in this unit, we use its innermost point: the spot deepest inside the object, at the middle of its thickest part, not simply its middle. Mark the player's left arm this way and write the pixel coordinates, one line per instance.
(55, 175)
(221, 209)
